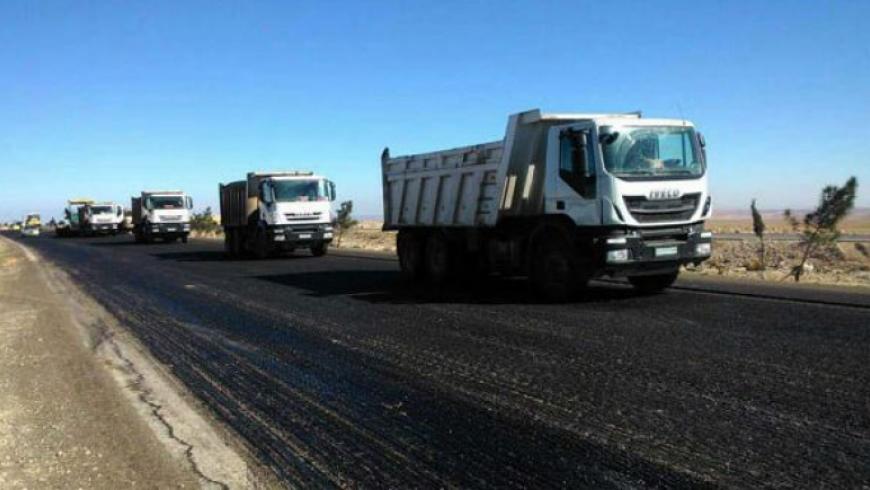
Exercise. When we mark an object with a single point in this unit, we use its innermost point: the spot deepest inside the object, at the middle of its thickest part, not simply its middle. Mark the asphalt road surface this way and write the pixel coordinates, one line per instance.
(337, 374)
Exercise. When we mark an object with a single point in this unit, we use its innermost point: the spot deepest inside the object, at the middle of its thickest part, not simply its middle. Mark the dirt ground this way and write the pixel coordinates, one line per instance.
(65, 422)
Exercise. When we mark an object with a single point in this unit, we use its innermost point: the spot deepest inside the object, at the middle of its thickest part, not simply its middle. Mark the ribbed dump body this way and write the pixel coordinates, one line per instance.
(136, 208)
(234, 203)
(456, 187)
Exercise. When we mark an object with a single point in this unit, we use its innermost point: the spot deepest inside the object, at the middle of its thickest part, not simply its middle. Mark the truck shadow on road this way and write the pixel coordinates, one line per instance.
(220, 256)
(378, 286)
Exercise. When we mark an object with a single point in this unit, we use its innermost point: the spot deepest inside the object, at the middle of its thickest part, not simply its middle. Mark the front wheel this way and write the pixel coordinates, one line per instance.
(653, 284)
(556, 274)
(319, 249)
(184, 239)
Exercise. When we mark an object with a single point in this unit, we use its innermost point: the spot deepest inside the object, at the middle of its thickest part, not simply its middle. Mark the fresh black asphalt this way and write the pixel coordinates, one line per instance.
(337, 374)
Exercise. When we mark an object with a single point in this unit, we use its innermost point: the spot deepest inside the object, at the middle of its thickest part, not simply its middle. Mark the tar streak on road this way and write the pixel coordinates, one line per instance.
(337, 374)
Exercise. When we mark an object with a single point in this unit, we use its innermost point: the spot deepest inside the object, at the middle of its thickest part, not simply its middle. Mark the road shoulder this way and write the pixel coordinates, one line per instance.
(83, 405)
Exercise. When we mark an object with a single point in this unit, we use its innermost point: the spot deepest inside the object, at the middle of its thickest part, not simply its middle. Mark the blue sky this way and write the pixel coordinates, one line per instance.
(103, 99)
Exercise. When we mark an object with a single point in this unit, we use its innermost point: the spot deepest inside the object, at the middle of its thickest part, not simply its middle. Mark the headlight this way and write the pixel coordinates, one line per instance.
(617, 255)
(703, 249)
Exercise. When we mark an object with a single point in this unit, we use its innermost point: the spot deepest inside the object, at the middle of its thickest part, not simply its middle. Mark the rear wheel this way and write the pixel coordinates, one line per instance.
(439, 258)
(229, 246)
(319, 249)
(557, 274)
(261, 244)
(410, 250)
(655, 283)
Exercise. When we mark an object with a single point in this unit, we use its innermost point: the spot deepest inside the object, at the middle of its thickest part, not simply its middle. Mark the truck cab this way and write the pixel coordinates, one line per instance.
(101, 218)
(641, 182)
(161, 214)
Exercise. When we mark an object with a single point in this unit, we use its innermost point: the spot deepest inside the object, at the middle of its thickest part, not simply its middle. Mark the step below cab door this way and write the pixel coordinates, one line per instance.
(572, 174)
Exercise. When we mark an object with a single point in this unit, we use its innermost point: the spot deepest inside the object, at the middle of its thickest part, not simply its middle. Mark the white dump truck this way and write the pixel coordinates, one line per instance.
(272, 212)
(70, 225)
(103, 218)
(563, 198)
(163, 215)
(31, 225)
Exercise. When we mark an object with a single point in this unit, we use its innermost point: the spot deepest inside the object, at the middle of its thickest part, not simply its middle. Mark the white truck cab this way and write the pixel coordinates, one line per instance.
(103, 218)
(161, 215)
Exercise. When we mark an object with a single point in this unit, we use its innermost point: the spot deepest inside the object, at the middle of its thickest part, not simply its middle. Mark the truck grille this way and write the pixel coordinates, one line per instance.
(302, 216)
(171, 217)
(646, 211)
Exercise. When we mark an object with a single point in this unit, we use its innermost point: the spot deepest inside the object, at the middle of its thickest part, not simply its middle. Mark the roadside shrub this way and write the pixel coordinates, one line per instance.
(204, 222)
(819, 228)
(344, 220)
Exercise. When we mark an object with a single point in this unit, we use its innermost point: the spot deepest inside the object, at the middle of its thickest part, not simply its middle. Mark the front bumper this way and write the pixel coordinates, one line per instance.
(293, 235)
(644, 251)
(168, 228)
(103, 227)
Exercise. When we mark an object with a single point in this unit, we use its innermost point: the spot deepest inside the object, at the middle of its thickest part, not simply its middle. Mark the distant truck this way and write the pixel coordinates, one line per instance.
(563, 198)
(100, 218)
(31, 225)
(272, 212)
(163, 215)
(70, 225)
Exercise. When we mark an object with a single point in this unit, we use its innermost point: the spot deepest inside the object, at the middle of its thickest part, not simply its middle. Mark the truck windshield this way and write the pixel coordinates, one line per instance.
(298, 190)
(167, 202)
(651, 152)
(101, 209)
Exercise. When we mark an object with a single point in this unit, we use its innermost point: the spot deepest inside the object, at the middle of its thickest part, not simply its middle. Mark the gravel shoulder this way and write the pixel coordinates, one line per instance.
(82, 407)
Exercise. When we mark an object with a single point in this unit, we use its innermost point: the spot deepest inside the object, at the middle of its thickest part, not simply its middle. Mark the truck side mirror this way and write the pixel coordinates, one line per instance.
(120, 210)
(331, 190)
(188, 201)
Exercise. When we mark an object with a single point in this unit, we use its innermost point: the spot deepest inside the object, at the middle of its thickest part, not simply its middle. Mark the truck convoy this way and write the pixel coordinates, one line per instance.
(563, 198)
(70, 225)
(161, 214)
(31, 225)
(272, 212)
(100, 218)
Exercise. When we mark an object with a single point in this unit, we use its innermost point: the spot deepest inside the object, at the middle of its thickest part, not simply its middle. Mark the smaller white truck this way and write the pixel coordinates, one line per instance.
(163, 215)
(102, 218)
(31, 225)
(70, 225)
(271, 212)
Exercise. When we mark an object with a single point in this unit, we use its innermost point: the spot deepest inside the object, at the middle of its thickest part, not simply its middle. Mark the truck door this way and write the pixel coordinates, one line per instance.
(572, 176)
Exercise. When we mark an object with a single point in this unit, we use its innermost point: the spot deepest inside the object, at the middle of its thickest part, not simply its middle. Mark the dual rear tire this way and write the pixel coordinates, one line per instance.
(430, 256)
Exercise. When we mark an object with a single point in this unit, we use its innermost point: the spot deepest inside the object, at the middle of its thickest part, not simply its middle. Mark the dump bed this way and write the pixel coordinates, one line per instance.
(136, 209)
(456, 187)
(473, 185)
(235, 207)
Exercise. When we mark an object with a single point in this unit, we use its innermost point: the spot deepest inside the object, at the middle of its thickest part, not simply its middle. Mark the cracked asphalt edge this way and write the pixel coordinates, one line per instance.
(211, 451)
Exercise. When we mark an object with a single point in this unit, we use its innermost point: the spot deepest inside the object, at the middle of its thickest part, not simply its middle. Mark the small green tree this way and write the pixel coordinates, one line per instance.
(758, 228)
(204, 222)
(819, 227)
(344, 219)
